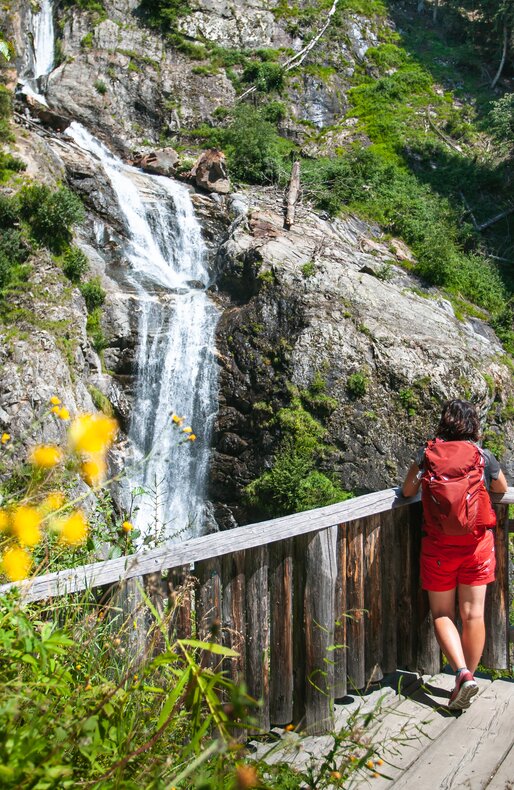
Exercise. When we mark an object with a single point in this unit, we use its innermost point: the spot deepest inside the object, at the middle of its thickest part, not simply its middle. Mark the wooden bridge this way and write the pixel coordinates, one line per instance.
(325, 606)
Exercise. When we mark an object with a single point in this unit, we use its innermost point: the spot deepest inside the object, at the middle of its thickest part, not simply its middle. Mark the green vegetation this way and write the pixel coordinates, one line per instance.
(75, 264)
(255, 151)
(50, 214)
(357, 384)
(100, 86)
(308, 269)
(295, 482)
(93, 293)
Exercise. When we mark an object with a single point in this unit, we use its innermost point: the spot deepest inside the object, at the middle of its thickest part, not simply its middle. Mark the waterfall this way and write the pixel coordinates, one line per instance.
(176, 369)
(39, 54)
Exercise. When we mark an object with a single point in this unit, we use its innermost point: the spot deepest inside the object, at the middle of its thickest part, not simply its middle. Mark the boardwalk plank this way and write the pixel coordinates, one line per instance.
(408, 730)
(504, 776)
(469, 752)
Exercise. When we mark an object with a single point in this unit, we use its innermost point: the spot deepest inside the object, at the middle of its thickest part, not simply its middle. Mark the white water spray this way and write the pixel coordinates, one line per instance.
(176, 365)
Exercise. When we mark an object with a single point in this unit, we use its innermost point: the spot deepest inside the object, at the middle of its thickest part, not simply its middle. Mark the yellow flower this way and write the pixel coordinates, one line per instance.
(336, 775)
(55, 410)
(289, 727)
(55, 401)
(92, 433)
(88, 687)
(63, 413)
(176, 419)
(4, 520)
(369, 764)
(191, 437)
(127, 526)
(93, 471)
(16, 564)
(26, 521)
(379, 762)
(52, 502)
(73, 528)
(5, 438)
(45, 455)
(188, 429)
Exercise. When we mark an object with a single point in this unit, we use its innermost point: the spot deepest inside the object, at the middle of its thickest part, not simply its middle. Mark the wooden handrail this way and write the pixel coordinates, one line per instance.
(179, 554)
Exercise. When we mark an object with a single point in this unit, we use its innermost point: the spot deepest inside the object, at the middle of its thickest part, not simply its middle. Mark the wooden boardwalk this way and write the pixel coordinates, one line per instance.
(422, 744)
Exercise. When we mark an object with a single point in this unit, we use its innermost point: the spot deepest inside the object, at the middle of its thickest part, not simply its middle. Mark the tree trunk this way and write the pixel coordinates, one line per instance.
(504, 55)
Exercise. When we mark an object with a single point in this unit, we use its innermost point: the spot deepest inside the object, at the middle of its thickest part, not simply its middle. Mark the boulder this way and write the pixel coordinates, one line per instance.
(210, 172)
(162, 162)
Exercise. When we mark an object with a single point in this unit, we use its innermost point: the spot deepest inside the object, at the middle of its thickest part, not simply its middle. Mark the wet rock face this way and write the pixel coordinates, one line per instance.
(162, 163)
(315, 302)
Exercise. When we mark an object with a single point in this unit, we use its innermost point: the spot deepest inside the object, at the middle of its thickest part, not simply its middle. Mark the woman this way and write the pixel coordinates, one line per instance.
(459, 557)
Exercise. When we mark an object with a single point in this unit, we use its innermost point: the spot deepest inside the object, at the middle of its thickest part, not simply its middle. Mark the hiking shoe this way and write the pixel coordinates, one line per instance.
(465, 689)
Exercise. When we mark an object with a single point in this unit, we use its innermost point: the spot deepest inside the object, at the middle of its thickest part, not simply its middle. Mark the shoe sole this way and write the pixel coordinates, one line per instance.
(463, 699)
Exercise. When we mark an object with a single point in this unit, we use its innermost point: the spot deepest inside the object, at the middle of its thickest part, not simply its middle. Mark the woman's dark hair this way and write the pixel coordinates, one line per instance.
(459, 420)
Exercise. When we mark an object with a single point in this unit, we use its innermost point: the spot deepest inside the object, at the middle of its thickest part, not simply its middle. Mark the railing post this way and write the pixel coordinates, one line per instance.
(340, 652)
(373, 641)
(355, 628)
(208, 606)
(257, 629)
(319, 619)
(281, 632)
(496, 652)
(393, 523)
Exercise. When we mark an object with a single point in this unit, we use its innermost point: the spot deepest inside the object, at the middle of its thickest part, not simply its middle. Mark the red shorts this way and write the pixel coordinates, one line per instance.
(444, 567)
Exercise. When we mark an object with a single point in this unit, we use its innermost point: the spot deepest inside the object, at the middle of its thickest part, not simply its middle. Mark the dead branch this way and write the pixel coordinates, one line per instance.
(496, 219)
(293, 190)
(298, 58)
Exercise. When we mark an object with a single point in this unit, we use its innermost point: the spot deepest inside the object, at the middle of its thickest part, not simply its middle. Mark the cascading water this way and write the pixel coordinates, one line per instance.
(177, 322)
(39, 54)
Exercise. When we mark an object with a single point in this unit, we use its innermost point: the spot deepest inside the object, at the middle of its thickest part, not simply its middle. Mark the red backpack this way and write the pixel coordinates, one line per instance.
(453, 493)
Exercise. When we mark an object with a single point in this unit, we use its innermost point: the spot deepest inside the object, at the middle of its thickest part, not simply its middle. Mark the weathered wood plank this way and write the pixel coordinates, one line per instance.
(257, 630)
(300, 548)
(472, 748)
(373, 639)
(180, 591)
(504, 776)
(339, 656)
(215, 545)
(403, 732)
(393, 525)
(496, 652)
(233, 612)
(281, 627)
(407, 612)
(426, 651)
(355, 628)
(208, 607)
(319, 621)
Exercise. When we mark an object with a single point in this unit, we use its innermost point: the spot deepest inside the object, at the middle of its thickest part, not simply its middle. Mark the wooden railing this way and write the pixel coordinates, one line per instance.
(316, 604)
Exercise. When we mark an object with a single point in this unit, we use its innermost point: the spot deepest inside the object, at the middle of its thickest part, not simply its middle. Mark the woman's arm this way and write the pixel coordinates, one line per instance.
(499, 486)
(412, 481)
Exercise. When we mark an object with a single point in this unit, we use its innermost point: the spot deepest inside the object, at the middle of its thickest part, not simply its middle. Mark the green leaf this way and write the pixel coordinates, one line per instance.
(173, 697)
(212, 647)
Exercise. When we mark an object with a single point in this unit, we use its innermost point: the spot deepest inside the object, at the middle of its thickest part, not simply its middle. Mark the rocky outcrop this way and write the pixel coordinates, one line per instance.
(324, 300)
(209, 172)
(163, 162)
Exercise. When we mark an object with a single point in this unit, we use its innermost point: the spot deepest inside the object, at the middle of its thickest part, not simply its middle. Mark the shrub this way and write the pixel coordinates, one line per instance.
(93, 293)
(265, 76)
(502, 118)
(51, 214)
(357, 385)
(254, 149)
(164, 14)
(75, 264)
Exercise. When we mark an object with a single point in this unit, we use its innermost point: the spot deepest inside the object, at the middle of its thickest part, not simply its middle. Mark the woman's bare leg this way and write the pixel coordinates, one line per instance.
(471, 607)
(442, 606)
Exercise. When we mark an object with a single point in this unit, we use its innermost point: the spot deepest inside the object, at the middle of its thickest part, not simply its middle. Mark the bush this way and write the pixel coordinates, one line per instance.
(75, 264)
(502, 118)
(51, 214)
(357, 385)
(265, 76)
(93, 293)
(164, 14)
(255, 151)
